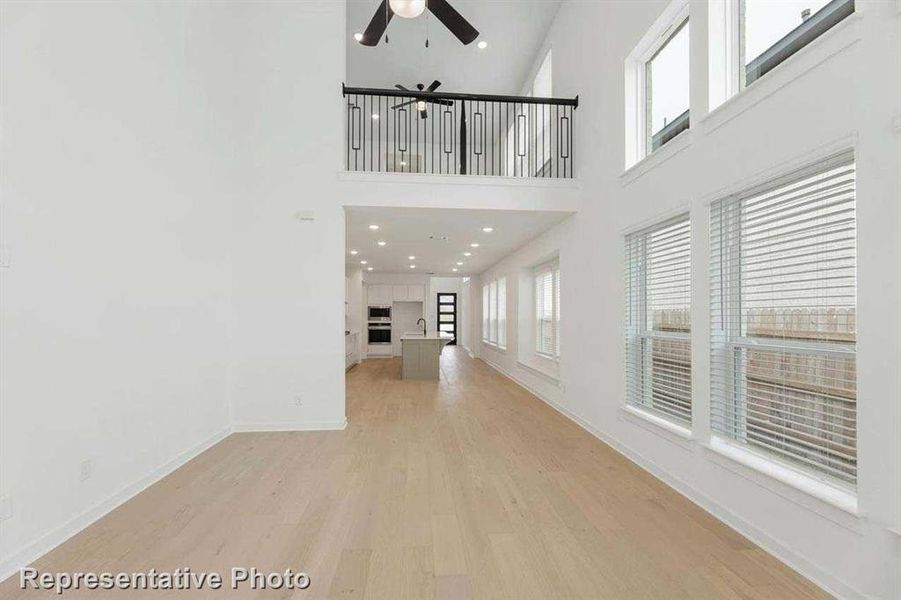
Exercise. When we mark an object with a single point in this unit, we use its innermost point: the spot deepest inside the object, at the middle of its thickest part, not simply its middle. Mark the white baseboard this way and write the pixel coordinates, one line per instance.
(57, 536)
(291, 426)
(818, 575)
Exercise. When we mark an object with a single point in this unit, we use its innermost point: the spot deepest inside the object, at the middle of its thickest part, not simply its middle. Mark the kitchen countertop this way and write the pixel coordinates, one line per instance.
(432, 336)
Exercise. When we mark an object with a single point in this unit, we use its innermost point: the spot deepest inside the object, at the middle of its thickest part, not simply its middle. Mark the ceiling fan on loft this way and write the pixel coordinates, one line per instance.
(410, 9)
(421, 102)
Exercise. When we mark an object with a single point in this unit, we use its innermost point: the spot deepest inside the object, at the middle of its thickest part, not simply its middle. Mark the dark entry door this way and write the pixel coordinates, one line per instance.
(447, 315)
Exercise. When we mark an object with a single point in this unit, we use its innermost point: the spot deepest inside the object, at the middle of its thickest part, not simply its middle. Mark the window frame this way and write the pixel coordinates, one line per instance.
(729, 75)
(683, 121)
(729, 341)
(553, 268)
(638, 143)
(639, 336)
(491, 327)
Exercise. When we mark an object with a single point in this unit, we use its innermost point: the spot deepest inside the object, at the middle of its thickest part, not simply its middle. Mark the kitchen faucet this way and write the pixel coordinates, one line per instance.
(423, 325)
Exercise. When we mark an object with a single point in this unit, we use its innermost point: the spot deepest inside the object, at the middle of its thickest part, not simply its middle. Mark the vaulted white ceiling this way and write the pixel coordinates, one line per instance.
(513, 29)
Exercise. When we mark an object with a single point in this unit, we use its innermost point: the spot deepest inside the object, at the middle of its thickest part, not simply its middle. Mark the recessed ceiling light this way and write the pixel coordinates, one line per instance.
(364, 262)
(455, 270)
(467, 254)
(412, 266)
(375, 116)
(487, 229)
(382, 242)
(368, 268)
(373, 227)
(358, 36)
(482, 45)
(353, 252)
(474, 245)
(459, 264)
(412, 257)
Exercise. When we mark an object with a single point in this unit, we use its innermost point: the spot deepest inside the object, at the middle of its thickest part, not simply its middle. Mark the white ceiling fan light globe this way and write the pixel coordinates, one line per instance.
(408, 9)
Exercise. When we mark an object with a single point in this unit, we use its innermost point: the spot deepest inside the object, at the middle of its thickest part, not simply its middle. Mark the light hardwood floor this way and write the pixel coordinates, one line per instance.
(465, 488)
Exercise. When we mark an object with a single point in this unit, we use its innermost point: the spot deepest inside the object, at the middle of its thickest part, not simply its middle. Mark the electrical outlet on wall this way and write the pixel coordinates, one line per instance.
(85, 470)
(6, 508)
(298, 400)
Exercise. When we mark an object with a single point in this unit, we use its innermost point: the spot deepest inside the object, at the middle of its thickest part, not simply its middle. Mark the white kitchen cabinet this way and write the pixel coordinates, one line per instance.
(351, 349)
(408, 293)
(415, 293)
(379, 295)
(400, 293)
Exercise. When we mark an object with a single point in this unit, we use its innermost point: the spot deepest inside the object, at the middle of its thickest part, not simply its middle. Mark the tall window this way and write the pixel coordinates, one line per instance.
(667, 88)
(783, 319)
(502, 312)
(658, 319)
(547, 311)
(494, 313)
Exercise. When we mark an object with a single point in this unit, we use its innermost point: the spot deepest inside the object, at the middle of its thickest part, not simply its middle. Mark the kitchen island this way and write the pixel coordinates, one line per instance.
(420, 354)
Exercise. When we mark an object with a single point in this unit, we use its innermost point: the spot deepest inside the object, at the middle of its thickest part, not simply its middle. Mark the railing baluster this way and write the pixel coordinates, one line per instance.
(504, 135)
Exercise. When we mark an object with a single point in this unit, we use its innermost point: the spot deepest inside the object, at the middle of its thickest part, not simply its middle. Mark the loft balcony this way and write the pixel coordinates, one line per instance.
(420, 132)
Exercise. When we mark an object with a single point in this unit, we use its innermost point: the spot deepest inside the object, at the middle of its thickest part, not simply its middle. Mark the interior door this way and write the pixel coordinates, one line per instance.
(447, 315)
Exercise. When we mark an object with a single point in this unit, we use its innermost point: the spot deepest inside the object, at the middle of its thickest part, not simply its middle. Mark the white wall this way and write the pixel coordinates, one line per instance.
(116, 216)
(843, 89)
(288, 286)
(482, 193)
(538, 374)
(155, 156)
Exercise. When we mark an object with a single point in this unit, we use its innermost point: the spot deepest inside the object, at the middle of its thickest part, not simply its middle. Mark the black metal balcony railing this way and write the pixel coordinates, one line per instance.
(394, 131)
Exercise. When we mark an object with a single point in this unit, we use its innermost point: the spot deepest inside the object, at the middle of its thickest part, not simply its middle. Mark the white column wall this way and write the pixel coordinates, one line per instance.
(843, 90)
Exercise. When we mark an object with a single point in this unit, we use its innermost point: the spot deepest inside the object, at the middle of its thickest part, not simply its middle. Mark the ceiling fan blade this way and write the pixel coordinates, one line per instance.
(401, 88)
(402, 104)
(434, 86)
(453, 20)
(442, 102)
(377, 25)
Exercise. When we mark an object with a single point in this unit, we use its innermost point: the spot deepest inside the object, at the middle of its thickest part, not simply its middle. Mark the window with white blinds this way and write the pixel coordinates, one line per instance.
(658, 319)
(783, 319)
(547, 311)
(494, 313)
(502, 312)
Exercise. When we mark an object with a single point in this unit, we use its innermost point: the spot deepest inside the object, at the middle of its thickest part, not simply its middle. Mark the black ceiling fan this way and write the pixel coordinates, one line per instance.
(421, 101)
(445, 13)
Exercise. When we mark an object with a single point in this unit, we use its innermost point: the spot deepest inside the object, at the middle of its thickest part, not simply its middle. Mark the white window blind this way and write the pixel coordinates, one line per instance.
(658, 319)
(783, 319)
(547, 311)
(494, 313)
(486, 323)
(502, 312)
